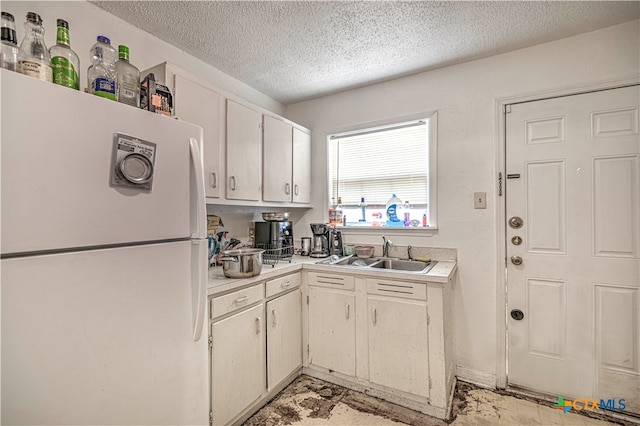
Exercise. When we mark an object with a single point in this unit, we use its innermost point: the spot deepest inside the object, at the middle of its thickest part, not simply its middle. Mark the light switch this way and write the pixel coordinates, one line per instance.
(480, 200)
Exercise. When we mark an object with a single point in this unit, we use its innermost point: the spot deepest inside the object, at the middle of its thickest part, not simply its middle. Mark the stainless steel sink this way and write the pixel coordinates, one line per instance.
(404, 265)
(356, 261)
(388, 264)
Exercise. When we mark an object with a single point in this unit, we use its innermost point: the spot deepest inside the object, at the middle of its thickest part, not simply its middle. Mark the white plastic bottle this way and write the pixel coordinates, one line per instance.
(394, 212)
(102, 76)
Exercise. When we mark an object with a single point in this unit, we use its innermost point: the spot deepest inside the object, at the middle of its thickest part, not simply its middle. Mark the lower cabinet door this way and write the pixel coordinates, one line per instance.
(237, 363)
(332, 330)
(398, 344)
(284, 337)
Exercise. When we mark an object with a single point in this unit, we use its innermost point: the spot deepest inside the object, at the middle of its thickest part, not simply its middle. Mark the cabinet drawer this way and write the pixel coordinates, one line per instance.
(403, 289)
(323, 279)
(237, 300)
(281, 284)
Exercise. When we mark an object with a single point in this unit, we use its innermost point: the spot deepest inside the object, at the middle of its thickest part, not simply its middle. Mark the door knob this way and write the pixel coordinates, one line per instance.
(515, 222)
(516, 260)
(517, 314)
(516, 240)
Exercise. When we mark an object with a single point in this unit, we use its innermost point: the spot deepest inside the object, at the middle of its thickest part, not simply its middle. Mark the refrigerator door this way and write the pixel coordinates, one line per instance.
(102, 337)
(58, 164)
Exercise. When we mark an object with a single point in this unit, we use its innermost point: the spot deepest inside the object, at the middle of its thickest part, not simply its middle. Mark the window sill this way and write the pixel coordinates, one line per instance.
(387, 230)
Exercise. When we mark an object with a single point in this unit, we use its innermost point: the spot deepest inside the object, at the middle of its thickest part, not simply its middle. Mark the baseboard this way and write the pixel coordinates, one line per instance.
(478, 378)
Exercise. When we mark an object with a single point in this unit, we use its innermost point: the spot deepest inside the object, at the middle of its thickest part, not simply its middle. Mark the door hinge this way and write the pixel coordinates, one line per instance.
(211, 418)
(506, 109)
(500, 184)
(210, 342)
(430, 383)
(428, 319)
(307, 299)
(307, 349)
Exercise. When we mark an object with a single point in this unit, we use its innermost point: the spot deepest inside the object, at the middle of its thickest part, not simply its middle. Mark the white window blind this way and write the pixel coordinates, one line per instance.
(376, 163)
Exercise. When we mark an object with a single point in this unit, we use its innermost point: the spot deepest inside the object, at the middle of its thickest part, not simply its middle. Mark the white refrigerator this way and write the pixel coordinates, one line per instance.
(104, 261)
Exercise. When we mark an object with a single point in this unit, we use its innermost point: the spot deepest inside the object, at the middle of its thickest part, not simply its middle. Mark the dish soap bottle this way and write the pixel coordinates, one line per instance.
(394, 211)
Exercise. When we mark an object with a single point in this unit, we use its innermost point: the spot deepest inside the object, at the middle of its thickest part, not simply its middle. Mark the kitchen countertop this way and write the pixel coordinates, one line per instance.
(219, 284)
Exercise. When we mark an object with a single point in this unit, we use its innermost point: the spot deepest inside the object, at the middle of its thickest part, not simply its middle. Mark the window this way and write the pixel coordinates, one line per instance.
(376, 162)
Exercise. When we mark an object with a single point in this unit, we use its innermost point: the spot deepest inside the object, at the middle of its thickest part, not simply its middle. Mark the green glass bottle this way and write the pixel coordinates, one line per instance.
(64, 61)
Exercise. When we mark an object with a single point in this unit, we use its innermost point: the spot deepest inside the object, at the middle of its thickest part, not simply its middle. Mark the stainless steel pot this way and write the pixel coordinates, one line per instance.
(242, 263)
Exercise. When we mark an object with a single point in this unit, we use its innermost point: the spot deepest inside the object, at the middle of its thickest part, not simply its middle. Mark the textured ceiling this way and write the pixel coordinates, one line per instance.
(297, 50)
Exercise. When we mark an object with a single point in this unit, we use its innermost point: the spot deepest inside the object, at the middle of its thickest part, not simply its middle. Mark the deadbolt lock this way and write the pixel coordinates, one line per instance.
(515, 222)
(516, 240)
(517, 314)
(516, 260)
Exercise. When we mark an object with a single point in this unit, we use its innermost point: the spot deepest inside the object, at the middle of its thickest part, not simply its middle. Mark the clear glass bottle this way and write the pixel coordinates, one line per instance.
(407, 214)
(363, 210)
(33, 58)
(64, 61)
(102, 77)
(128, 79)
(9, 52)
(339, 213)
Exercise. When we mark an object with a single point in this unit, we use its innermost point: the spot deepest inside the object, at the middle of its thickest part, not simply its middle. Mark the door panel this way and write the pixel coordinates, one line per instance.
(578, 284)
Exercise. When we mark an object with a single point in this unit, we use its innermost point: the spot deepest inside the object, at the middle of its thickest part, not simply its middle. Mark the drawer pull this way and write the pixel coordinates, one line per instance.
(241, 300)
(285, 285)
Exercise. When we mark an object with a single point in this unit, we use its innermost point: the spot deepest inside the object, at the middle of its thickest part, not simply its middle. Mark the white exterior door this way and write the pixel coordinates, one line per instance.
(573, 263)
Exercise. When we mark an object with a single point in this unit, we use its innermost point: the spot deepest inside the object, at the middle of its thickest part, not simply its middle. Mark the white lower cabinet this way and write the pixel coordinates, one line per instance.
(332, 325)
(256, 345)
(237, 363)
(284, 337)
(377, 336)
(398, 341)
(332, 322)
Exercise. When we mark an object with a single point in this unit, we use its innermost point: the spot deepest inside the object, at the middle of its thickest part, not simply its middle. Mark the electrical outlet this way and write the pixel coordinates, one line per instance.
(480, 200)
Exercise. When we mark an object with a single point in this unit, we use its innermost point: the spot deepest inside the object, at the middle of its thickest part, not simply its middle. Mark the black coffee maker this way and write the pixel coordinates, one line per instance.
(335, 242)
(320, 240)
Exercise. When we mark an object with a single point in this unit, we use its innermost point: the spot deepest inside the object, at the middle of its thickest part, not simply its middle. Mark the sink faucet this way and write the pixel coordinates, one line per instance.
(409, 253)
(385, 246)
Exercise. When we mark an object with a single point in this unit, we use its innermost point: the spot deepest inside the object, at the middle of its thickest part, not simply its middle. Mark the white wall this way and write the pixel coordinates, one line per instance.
(465, 97)
(87, 21)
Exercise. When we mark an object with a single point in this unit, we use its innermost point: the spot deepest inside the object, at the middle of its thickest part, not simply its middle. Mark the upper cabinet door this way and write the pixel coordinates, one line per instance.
(202, 106)
(301, 166)
(277, 160)
(244, 154)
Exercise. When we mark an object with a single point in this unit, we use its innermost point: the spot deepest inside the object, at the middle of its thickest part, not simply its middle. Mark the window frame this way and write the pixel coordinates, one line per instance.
(432, 220)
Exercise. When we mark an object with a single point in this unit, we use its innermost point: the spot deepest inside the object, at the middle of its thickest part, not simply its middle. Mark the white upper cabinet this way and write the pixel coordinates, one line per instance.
(286, 162)
(244, 153)
(277, 159)
(268, 158)
(204, 107)
(301, 166)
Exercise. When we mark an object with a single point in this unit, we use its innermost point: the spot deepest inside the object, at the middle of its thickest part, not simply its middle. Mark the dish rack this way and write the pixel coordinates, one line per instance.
(274, 253)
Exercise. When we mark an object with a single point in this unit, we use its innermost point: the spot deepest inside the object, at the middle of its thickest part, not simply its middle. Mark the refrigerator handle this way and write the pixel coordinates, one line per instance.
(201, 208)
(199, 278)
